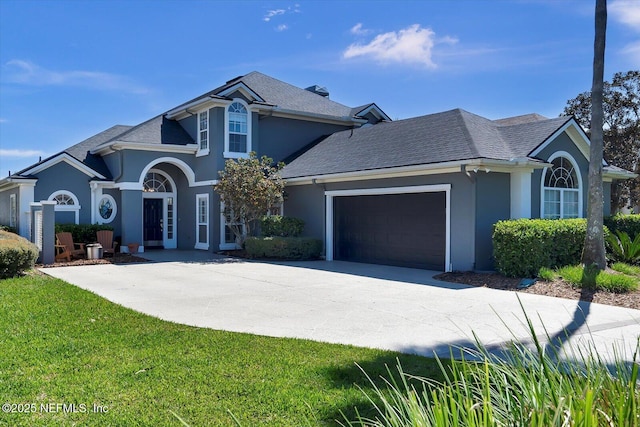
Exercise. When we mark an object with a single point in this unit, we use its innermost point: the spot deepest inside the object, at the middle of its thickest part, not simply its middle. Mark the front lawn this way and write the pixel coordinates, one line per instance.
(70, 357)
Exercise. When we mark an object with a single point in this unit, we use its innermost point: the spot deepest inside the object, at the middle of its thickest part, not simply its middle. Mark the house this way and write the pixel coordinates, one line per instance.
(422, 192)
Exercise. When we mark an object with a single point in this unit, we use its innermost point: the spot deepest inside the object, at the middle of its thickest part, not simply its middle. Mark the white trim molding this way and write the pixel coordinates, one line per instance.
(66, 158)
(228, 154)
(581, 186)
(75, 207)
(204, 197)
(330, 194)
(521, 193)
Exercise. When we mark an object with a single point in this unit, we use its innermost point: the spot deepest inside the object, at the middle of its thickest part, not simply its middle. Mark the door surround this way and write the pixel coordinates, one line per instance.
(154, 190)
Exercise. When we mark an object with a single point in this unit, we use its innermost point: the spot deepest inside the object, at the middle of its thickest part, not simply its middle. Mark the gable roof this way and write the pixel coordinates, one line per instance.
(81, 152)
(450, 136)
(275, 95)
(156, 131)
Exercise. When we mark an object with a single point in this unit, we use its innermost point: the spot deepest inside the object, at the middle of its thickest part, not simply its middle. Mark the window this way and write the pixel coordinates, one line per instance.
(203, 133)
(561, 197)
(156, 183)
(228, 239)
(66, 202)
(13, 211)
(238, 137)
(202, 221)
(107, 209)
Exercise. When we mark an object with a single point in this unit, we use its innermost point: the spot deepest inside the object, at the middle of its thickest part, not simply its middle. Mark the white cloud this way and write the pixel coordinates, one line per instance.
(270, 14)
(359, 30)
(632, 50)
(28, 73)
(2, 120)
(626, 12)
(20, 153)
(282, 27)
(412, 45)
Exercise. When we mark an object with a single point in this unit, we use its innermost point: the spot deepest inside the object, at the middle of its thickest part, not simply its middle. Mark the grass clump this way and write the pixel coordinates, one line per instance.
(621, 278)
(521, 387)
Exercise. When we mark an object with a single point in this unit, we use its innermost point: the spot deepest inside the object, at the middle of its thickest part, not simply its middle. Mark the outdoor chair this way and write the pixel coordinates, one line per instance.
(105, 238)
(75, 249)
(62, 253)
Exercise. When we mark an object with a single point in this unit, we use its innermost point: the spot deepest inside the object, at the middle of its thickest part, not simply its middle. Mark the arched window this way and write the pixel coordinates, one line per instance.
(155, 182)
(238, 126)
(66, 201)
(561, 189)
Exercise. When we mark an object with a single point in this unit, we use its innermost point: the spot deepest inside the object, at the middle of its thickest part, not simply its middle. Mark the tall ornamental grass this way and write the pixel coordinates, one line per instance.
(521, 386)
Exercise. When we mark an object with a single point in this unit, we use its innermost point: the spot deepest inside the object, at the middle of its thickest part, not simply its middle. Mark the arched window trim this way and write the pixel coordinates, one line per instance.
(579, 189)
(227, 150)
(166, 181)
(75, 207)
(114, 209)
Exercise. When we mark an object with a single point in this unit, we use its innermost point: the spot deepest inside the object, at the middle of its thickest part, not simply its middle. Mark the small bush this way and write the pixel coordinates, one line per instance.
(9, 228)
(82, 233)
(521, 247)
(295, 248)
(281, 226)
(629, 224)
(626, 269)
(17, 254)
(622, 248)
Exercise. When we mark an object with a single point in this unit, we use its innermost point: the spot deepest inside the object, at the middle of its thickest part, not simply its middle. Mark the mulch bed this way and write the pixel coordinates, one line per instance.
(556, 288)
(116, 259)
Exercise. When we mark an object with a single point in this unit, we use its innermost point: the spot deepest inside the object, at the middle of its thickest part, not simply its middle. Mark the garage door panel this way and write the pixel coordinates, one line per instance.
(395, 229)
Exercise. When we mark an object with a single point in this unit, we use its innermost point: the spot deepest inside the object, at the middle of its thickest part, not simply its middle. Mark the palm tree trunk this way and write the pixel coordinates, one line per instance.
(594, 250)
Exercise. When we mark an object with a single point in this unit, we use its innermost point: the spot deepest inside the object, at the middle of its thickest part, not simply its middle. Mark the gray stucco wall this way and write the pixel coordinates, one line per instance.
(5, 204)
(280, 137)
(135, 161)
(307, 202)
(62, 176)
(493, 204)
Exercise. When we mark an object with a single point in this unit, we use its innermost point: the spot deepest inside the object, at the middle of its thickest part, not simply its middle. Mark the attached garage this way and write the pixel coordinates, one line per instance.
(401, 226)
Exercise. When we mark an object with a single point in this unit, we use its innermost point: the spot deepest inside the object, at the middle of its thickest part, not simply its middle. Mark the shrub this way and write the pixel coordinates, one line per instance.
(9, 228)
(82, 233)
(17, 254)
(622, 248)
(521, 247)
(629, 224)
(297, 248)
(281, 226)
(593, 278)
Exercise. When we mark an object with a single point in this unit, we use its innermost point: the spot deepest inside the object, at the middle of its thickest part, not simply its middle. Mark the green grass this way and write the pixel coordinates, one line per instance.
(521, 387)
(62, 345)
(625, 279)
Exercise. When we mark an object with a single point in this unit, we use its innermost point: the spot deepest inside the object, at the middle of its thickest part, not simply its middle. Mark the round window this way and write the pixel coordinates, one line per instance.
(107, 208)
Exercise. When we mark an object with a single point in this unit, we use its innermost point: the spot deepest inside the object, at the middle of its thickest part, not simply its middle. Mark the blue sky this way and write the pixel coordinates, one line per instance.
(70, 69)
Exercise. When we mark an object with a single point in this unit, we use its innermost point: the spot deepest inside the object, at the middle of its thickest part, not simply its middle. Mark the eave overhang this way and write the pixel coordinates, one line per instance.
(141, 146)
(66, 158)
(465, 166)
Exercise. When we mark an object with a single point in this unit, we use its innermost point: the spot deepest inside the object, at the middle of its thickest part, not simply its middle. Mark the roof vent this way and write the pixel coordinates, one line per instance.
(318, 90)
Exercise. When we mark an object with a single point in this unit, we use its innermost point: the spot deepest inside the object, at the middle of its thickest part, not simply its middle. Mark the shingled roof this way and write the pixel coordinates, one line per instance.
(449, 136)
(281, 95)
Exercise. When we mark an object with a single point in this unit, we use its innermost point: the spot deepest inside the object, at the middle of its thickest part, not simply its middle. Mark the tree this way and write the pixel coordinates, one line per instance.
(249, 188)
(621, 131)
(594, 252)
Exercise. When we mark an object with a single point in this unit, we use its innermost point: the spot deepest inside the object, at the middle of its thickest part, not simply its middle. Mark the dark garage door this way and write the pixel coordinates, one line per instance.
(407, 230)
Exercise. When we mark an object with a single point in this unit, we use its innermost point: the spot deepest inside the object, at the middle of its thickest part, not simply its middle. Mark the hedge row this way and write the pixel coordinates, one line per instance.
(17, 254)
(521, 247)
(281, 226)
(298, 248)
(82, 233)
(629, 224)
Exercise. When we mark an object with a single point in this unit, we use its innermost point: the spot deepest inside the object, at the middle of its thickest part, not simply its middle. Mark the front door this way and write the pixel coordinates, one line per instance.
(153, 219)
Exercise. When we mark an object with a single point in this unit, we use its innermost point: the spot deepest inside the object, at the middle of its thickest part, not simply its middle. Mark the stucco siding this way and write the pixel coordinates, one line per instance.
(280, 137)
(307, 202)
(493, 204)
(136, 161)
(63, 177)
(5, 204)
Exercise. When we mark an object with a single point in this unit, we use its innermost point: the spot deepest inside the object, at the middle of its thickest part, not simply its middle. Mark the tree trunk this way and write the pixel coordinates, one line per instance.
(594, 250)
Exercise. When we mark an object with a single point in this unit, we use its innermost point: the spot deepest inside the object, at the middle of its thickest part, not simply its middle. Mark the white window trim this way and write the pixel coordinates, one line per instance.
(67, 208)
(13, 211)
(198, 244)
(232, 154)
(114, 211)
(329, 195)
(167, 242)
(204, 152)
(224, 246)
(580, 190)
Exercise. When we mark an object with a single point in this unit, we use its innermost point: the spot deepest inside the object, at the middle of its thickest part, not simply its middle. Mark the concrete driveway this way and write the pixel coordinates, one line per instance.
(348, 303)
